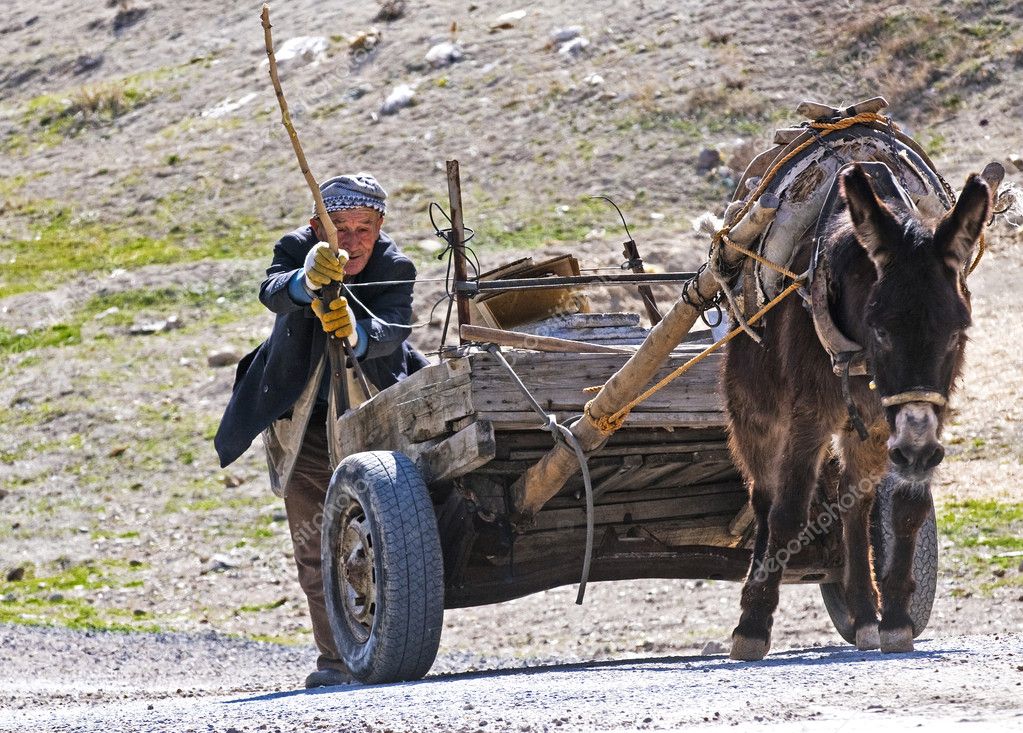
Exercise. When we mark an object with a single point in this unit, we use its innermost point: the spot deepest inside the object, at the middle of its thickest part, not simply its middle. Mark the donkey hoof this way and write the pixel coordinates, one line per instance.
(868, 637)
(894, 641)
(748, 649)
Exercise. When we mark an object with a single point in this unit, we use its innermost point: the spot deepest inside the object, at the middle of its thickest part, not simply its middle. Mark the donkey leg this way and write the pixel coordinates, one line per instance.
(746, 644)
(786, 519)
(860, 591)
(754, 437)
(864, 466)
(910, 505)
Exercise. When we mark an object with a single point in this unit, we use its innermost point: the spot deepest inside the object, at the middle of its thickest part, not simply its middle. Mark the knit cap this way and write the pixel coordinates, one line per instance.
(353, 192)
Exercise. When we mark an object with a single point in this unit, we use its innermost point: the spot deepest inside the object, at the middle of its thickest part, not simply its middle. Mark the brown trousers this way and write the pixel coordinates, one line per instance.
(305, 493)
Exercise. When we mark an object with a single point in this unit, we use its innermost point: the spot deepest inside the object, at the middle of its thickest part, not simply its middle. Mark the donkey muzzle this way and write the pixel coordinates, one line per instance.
(913, 447)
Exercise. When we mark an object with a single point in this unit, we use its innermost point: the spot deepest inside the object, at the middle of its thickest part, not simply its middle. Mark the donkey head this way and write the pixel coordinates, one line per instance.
(917, 312)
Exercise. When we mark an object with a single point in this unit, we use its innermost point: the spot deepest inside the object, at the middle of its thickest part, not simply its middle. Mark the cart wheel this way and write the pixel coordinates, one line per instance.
(383, 574)
(925, 567)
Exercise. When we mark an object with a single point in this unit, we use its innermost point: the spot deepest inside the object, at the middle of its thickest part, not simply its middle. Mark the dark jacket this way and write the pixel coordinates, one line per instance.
(270, 379)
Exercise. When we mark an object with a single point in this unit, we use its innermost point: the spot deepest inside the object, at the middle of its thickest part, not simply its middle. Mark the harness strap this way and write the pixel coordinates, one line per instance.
(843, 362)
(845, 353)
(920, 394)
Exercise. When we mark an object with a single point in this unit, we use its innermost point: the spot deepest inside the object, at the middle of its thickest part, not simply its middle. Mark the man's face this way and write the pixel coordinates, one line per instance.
(357, 232)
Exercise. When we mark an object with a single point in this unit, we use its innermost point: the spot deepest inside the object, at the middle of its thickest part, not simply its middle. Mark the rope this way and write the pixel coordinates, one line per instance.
(378, 319)
(826, 128)
(762, 260)
(981, 248)
(552, 426)
(608, 424)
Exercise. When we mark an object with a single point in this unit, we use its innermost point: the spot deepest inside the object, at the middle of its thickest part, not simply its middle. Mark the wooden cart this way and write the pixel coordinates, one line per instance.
(423, 514)
(417, 516)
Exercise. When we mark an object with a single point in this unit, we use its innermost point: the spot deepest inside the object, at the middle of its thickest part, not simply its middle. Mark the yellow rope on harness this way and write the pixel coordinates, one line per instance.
(981, 248)
(825, 128)
(762, 260)
(610, 423)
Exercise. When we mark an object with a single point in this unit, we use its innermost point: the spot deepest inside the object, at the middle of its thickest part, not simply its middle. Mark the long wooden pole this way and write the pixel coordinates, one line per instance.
(519, 340)
(337, 350)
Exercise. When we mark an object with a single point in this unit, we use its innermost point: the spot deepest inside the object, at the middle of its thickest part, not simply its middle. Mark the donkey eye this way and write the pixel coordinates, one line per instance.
(882, 337)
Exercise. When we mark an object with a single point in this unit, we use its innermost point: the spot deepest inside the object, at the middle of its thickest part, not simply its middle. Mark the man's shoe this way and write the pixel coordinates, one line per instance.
(328, 678)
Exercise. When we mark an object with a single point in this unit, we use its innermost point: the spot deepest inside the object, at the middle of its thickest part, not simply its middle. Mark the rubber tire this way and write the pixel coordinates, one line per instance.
(405, 633)
(925, 568)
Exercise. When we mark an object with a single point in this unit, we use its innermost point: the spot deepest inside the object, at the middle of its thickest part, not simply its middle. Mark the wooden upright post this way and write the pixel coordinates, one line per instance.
(631, 253)
(458, 243)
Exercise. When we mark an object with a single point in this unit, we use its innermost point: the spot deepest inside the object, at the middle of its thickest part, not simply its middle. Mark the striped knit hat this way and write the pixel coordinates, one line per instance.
(353, 192)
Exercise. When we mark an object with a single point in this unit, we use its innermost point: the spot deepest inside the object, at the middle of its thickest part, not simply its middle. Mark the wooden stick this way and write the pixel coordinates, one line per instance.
(631, 253)
(519, 340)
(458, 240)
(321, 210)
(335, 351)
(818, 111)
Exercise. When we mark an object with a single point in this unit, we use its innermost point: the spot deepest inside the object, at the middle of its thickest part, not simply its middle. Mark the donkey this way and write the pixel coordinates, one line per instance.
(897, 287)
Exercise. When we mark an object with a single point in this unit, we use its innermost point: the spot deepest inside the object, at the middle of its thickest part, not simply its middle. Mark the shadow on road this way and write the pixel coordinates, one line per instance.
(808, 657)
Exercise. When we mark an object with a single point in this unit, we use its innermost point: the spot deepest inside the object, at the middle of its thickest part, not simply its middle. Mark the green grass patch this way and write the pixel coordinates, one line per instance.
(60, 334)
(11, 198)
(276, 639)
(262, 533)
(921, 58)
(565, 224)
(206, 303)
(49, 119)
(983, 523)
(62, 247)
(206, 494)
(648, 120)
(986, 535)
(162, 301)
(66, 598)
(103, 534)
(17, 452)
(259, 607)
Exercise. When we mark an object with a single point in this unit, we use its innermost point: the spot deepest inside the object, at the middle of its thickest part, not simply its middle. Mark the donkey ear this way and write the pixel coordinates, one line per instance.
(959, 229)
(872, 221)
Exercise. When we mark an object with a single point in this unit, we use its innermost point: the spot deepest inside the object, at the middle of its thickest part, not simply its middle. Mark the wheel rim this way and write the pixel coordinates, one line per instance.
(357, 577)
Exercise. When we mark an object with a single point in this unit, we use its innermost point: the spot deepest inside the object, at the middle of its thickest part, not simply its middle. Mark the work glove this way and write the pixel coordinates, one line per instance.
(322, 266)
(338, 320)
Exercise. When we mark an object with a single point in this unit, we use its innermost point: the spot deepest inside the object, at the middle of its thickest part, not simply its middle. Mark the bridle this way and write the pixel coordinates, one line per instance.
(917, 394)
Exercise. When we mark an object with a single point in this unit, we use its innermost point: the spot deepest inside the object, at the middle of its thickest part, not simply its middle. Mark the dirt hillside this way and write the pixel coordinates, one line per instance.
(146, 177)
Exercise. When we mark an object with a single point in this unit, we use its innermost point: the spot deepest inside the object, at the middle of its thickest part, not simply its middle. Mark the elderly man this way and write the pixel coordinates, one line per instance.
(281, 388)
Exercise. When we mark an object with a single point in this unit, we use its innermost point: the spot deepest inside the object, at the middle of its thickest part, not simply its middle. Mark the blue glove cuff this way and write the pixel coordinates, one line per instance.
(297, 289)
(360, 348)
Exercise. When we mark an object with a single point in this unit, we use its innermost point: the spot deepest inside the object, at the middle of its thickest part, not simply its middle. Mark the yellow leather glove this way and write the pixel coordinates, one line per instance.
(322, 267)
(339, 320)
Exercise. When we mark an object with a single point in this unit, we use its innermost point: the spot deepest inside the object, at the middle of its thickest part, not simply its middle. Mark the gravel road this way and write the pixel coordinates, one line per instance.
(182, 683)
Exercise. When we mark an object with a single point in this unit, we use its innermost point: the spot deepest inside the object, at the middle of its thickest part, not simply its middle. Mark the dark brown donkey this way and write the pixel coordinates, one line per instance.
(896, 288)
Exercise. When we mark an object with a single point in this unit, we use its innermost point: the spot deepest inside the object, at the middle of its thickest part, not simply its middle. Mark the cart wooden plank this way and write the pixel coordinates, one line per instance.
(639, 511)
(415, 410)
(558, 384)
(463, 452)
